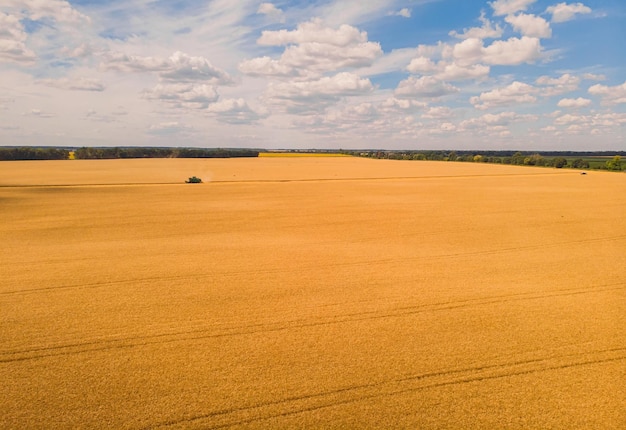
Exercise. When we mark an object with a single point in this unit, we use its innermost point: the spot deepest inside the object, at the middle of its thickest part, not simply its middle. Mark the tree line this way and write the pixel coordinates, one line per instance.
(577, 160)
(92, 153)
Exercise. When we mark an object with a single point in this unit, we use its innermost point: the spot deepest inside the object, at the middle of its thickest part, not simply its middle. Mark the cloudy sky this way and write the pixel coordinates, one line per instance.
(397, 74)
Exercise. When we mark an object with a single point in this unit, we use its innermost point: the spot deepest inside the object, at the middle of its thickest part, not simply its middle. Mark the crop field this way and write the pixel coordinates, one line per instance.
(311, 292)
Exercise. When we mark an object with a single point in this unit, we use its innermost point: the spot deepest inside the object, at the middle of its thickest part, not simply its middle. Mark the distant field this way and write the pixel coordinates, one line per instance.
(311, 292)
(301, 154)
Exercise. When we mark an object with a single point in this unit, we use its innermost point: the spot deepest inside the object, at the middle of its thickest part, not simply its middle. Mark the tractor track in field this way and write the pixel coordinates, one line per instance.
(213, 332)
(295, 405)
(288, 180)
(300, 268)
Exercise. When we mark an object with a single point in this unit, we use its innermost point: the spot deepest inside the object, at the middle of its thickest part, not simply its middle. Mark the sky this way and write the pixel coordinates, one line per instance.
(351, 74)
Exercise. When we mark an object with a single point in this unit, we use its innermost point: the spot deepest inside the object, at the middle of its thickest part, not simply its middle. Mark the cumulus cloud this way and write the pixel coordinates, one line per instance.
(507, 7)
(563, 12)
(425, 86)
(510, 52)
(610, 95)
(574, 103)
(446, 71)
(311, 96)
(515, 93)
(266, 66)
(486, 31)
(396, 104)
(13, 41)
(79, 84)
(236, 111)
(314, 31)
(183, 95)
(438, 112)
(179, 67)
(314, 47)
(496, 120)
(554, 86)
(530, 25)
(594, 77)
(271, 11)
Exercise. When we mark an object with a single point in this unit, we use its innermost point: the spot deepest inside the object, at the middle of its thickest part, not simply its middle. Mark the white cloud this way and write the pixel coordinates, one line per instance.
(425, 86)
(179, 67)
(486, 31)
(574, 103)
(510, 52)
(530, 25)
(563, 12)
(313, 48)
(183, 95)
(513, 51)
(507, 7)
(327, 57)
(404, 12)
(446, 71)
(168, 128)
(272, 11)
(82, 51)
(93, 115)
(266, 66)
(422, 65)
(554, 86)
(59, 10)
(513, 94)
(496, 120)
(236, 111)
(312, 96)
(184, 68)
(438, 112)
(13, 41)
(455, 72)
(610, 95)
(569, 119)
(594, 77)
(314, 31)
(395, 104)
(78, 84)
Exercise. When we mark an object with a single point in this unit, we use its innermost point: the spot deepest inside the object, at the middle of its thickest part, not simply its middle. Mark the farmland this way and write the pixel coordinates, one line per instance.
(311, 292)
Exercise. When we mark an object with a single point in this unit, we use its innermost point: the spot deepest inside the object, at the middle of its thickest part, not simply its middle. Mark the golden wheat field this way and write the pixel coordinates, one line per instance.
(322, 292)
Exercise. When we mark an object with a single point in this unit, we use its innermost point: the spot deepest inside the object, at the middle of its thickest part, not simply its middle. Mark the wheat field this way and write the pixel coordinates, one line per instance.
(322, 292)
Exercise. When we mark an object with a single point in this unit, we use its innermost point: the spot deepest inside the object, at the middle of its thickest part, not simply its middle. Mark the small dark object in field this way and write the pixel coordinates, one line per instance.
(194, 180)
(583, 173)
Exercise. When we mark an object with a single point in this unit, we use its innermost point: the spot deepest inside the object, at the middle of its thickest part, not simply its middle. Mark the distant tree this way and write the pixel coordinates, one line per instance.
(518, 158)
(579, 163)
(534, 160)
(615, 163)
(559, 162)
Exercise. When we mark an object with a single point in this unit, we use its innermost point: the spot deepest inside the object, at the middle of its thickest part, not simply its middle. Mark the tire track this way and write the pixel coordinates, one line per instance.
(96, 345)
(388, 388)
(276, 181)
(300, 268)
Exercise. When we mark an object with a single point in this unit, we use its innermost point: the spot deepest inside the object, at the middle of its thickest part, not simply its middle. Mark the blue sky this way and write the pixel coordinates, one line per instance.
(397, 74)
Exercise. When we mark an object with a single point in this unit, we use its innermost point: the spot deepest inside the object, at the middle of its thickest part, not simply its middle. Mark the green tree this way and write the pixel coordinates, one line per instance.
(579, 163)
(559, 162)
(615, 163)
